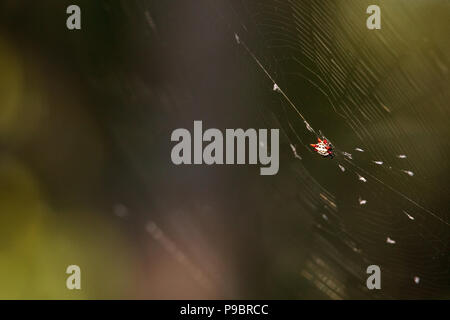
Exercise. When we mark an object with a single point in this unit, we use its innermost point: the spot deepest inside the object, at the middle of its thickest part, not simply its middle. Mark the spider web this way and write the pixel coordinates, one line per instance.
(380, 98)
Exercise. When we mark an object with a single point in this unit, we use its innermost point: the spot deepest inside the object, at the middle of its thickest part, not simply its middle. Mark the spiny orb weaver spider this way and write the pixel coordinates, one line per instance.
(324, 148)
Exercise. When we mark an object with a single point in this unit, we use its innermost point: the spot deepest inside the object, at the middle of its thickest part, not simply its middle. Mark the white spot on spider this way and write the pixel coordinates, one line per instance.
(390, 241)
(359, 149)
(378, 162)
(341, 167)
(408, 215)
(362, 201)
(416, 280)
(321, 149)
(361, 178)
(401, 156)
(325, 217)
(409, 173)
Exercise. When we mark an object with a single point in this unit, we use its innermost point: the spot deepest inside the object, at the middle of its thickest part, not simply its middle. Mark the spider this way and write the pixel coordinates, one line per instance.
(324, 148)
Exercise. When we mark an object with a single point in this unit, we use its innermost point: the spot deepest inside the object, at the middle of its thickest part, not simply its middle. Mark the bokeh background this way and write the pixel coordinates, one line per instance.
(85, 170)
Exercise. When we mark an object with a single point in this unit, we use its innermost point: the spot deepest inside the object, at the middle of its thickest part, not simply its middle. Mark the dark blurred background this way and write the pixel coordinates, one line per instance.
(86, 176)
